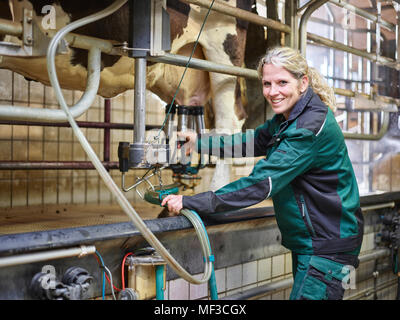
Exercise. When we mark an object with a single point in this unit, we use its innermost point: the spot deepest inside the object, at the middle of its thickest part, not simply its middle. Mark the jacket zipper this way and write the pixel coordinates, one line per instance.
(306, 216)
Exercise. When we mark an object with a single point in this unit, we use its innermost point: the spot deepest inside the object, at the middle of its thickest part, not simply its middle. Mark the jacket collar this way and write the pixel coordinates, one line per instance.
(300, 105)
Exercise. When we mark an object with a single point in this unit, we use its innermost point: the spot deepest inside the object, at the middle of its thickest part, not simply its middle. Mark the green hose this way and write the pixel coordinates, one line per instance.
(160, 282)
(198, 223)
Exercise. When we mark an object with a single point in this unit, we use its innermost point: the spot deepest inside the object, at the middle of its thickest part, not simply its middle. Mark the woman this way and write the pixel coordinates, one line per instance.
(306, 171)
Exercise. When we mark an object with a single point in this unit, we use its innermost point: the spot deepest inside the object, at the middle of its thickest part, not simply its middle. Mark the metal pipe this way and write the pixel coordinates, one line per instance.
(140, 100)
(303, 24)
(81, 124)
(46, 255)
(86, 42)
(241, 14)
(200, 64)
(54, 165)
(379, 206)
(360, 136)
(361, 53)
(374, 255)
(304, 35)
(368, 292)
(365, 14)
(107, 132)
(51, 115)
(10, 27)
(397, 8)
(352, 94)
(269, 288)
(260, 291)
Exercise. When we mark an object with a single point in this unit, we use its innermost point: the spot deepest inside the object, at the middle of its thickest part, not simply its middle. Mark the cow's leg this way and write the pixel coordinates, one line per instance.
(225, 120)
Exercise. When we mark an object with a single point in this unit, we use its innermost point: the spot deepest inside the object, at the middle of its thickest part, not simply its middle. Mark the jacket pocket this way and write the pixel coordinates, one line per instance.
(306, 216)
(313, 289)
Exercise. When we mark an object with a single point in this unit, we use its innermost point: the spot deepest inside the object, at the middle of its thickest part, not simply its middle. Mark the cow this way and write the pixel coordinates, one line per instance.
(222, 41)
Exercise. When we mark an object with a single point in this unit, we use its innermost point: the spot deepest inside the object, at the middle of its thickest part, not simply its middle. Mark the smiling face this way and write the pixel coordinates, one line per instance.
(281, 89)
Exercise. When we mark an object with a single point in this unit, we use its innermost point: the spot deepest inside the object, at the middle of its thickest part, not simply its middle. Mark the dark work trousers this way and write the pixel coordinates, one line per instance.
(321, 277)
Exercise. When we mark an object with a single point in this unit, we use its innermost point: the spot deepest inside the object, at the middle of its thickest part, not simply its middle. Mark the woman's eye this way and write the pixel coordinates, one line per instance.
(282, 82)
(267, 84)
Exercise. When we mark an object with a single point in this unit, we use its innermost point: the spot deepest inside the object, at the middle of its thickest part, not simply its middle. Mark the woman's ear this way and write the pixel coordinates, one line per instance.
(304, 82)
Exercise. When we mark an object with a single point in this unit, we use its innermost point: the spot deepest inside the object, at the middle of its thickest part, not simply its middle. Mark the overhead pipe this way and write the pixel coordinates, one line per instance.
(10, 27)
(224, 8)
(205, 65)
(361, 53)
(303, 23)
(46, 255)
(364, 14)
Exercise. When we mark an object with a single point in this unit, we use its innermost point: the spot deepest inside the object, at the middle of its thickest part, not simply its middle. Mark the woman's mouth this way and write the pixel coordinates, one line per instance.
(276, 101)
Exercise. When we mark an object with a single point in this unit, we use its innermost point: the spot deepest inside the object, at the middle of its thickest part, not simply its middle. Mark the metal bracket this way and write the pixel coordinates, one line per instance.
(34, 41)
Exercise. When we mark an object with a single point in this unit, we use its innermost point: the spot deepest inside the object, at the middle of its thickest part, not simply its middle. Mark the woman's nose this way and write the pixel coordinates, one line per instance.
(273, 90)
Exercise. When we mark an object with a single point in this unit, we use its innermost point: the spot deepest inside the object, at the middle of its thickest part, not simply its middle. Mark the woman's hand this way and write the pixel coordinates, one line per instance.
(174, 203)
(190, 144)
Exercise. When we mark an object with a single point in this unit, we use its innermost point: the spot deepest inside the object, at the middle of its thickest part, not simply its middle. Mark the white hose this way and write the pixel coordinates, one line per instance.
(114, 189)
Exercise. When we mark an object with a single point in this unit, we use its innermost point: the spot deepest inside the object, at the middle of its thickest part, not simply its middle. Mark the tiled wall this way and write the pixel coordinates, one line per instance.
(236, 278)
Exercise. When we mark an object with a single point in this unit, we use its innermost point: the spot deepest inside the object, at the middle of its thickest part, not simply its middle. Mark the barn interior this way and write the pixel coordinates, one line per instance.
(84, 162)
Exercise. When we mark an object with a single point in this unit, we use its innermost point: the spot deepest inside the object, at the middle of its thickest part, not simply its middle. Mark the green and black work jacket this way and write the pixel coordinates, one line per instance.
(307, 173)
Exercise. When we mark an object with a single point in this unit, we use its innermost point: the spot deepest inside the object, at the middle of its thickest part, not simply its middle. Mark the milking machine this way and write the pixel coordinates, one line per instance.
(149, 35)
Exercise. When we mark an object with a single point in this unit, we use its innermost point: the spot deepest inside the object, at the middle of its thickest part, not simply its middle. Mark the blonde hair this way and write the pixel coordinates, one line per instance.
(294, 62)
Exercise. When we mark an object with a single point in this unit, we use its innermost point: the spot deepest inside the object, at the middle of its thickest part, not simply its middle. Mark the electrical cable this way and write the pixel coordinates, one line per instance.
(109, 277)
(123, 269)
(111, 282)
(101, 262)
